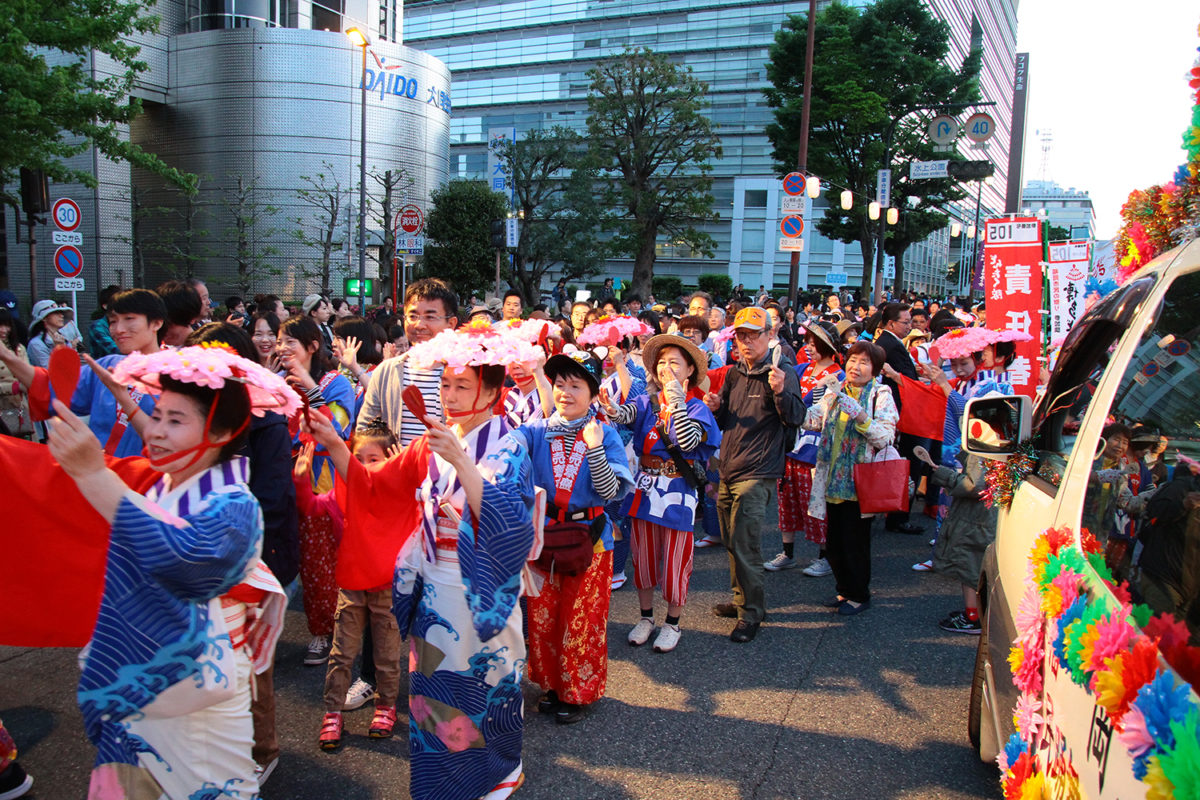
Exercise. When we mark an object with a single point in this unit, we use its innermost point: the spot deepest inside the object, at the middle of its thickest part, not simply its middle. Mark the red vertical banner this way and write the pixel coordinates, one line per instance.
(1012, 256)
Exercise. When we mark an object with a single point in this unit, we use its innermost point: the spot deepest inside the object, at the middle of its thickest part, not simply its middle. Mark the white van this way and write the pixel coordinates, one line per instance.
(1134, 357)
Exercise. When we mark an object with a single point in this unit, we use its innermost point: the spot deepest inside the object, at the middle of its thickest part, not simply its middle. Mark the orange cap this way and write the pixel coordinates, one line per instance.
(752, 318)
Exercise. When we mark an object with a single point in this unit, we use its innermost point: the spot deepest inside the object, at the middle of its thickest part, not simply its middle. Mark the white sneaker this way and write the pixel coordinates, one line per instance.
(668, 637)
(779, 562)
(707, 541)
(923, 566)
(359, 695)
(318, 651)
(641, 632)
(819, 568)
(618, 581)
(263, 771)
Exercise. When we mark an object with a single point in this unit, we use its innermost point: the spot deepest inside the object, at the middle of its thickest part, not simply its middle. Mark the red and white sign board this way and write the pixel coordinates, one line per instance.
(410, 219)
(65, 213)
(1012, 286)
(1067, 273)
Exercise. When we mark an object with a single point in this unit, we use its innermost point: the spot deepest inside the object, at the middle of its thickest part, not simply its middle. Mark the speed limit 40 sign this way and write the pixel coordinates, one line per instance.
(66, 214)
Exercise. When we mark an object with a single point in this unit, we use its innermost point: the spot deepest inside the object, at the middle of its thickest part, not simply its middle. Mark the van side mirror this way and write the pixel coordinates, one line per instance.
(995, 426)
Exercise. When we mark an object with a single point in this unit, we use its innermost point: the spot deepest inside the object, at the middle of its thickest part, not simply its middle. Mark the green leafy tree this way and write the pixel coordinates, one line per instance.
(553, 180)
(139, 215)
(54, 106)
(873, 66)
(458, 236)
(182, 245)
(649, 134)
(383, 202)
(1058, 233)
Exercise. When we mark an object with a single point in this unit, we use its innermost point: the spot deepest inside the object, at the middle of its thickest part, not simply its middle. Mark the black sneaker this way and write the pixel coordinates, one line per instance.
(958, 623)
(14, 782)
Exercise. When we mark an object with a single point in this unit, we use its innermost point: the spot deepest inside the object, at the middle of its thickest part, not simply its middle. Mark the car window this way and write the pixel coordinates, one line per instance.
(1081, 363)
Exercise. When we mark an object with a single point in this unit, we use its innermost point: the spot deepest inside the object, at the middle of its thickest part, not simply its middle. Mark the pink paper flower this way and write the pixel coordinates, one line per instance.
(611, 330)
(1027, 718)
(475, 345)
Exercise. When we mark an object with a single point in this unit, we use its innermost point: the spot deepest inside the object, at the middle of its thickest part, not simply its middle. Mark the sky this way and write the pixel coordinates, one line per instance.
(1109, 80)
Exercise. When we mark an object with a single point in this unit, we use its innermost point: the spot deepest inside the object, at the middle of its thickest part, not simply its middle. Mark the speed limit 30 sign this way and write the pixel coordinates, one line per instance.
(66, 214)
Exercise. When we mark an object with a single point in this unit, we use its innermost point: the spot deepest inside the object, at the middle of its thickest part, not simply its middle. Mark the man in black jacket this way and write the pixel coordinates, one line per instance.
(895, 323)
(757, 400)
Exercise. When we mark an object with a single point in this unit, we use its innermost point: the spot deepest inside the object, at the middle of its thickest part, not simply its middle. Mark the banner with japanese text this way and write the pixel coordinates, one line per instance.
(1067, 273)
(1012, 256)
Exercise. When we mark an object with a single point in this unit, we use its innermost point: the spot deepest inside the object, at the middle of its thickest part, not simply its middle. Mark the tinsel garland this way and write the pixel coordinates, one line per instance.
(1003, 477)
(1109, 647)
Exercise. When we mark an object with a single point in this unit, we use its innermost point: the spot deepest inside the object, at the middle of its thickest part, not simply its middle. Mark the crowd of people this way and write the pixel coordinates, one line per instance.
(475, 481)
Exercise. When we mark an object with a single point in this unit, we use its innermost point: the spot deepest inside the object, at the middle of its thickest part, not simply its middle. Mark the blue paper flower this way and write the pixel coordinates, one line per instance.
(1013, 749)
(1072, 614)
(1161, 703)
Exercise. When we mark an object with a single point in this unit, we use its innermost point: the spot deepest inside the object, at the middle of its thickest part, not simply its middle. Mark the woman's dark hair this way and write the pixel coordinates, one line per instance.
(304, 330)
(16, 330)
(232, 336)
(820, 345)
(694, 322)
(232, 410)
(337, 303)
(871, 351)
(182, 302)
(492, 376)
(1005, 351)
(650, 318)
(269, 316)
(364, 331)
(394, 332)
(374, 431)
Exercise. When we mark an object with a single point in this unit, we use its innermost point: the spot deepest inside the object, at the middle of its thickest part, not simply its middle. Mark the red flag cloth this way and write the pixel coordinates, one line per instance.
(381, 510)
(55, 548)
(922, 410)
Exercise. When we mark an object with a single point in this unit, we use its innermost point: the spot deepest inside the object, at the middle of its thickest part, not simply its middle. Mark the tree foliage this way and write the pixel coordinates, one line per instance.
(325, 195)
(873, 66)
(553, 181)
(457, 236)
(53, 105)
(383, 202)
(648, 133)
(250, 232)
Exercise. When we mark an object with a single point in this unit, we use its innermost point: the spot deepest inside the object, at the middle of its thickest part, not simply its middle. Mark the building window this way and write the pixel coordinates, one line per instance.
(327, 15)
(756, 198)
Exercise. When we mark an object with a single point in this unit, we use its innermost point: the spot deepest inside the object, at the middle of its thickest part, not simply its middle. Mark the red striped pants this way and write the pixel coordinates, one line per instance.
(662, 557)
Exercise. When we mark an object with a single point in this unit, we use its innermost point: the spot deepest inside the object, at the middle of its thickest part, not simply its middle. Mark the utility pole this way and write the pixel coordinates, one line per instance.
(802, 157)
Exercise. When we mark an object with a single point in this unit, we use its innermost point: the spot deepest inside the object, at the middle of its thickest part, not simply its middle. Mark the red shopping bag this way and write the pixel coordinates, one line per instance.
(882, 484)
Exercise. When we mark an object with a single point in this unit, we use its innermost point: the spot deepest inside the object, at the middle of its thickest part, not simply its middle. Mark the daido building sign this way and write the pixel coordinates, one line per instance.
(392, 85)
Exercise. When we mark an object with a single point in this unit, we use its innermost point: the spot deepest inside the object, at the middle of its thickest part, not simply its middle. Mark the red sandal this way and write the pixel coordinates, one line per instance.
(331, 731)
(383, 722)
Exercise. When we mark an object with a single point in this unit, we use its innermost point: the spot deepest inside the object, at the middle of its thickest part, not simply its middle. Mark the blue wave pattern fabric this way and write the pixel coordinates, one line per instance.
(456, 592)
(154, 629)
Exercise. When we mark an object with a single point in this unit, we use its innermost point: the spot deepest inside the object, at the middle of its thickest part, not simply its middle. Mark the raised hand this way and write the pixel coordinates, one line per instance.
(346, 351)
(713, 401)
(73, 445)
(777, 378)
(298, 376)
(304, 460)
(606, 403)
(445, 442)
(593, 434)
(389, 351)
(318, 426)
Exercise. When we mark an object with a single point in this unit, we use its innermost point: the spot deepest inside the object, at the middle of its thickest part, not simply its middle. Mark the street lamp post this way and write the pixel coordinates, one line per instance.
(359, 38)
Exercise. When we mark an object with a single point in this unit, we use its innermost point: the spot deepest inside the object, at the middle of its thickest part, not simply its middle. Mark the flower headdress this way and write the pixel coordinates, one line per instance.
(724, 335)
(962, 342)
(210, 365)
(477, 344)
(611, 330)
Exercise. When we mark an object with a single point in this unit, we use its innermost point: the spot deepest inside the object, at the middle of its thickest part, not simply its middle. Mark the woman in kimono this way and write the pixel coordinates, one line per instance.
(458, 574)
(663, 506)
(317, 377)
(582, 462)
(186, 609)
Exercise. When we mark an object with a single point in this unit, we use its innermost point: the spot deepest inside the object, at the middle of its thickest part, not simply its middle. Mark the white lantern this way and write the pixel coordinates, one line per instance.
(813, 186)
(847, 199)
(893, 216)
(873, 210)
(970, 231)
(955, 229)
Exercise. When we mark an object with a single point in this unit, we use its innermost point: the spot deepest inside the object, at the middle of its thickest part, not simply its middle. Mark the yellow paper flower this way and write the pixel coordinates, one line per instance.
(1159, 787)
(1087, 645)
(1034, 788)
(1110, 683)
(1016, 656)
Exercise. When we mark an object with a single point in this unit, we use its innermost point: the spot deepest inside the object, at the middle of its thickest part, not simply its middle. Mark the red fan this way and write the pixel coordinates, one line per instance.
(415, 402)
(64, 372)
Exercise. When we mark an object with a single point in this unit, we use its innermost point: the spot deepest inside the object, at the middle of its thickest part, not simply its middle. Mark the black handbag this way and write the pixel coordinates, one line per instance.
(693, 472)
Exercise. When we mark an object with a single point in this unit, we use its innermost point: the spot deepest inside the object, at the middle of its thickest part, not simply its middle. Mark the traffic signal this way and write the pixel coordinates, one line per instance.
(970, 170)
(499, 239)
(35, 193)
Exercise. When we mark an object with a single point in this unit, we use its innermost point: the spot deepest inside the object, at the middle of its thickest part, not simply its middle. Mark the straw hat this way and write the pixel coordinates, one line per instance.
(826, 332)
(653, 348)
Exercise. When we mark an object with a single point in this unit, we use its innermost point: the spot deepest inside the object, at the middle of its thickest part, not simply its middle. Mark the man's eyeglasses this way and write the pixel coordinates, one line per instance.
(747, 336)
(428, 319)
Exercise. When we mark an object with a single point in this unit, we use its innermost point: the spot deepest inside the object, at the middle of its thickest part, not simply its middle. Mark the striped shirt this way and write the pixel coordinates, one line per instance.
(384, 399)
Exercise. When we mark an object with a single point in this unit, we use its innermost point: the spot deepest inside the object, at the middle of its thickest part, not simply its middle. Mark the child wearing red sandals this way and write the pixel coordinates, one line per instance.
(372, 443)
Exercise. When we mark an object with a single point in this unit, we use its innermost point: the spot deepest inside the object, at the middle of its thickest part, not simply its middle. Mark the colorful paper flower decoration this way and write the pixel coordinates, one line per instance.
(210, 366)
(474, 345)
(611, 330)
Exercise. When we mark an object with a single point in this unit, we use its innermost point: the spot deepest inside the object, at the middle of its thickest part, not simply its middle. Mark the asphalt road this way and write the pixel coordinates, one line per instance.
(817, 706)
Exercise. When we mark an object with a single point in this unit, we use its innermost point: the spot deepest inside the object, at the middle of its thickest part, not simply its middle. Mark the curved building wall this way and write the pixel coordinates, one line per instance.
(273, 106)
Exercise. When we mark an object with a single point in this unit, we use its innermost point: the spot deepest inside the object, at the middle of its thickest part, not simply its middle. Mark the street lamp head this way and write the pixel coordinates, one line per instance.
(873, 210)
(358, 37)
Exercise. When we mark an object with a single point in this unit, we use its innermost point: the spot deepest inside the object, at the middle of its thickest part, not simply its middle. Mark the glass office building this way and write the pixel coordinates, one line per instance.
(261, 95)
(522, 64)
